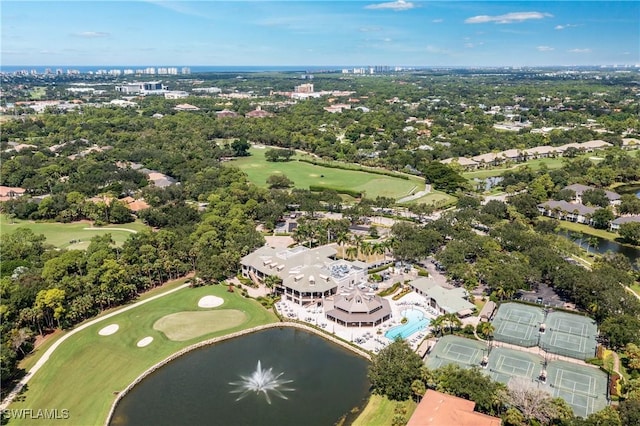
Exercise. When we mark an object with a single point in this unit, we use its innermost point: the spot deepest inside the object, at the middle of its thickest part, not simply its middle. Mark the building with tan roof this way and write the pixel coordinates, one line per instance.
(355, 307)
(11, 192)
(440, 409)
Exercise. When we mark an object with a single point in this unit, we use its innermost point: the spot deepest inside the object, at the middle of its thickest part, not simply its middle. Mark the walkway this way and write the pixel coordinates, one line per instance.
(45, 357)
(110, 229)
(415, 195)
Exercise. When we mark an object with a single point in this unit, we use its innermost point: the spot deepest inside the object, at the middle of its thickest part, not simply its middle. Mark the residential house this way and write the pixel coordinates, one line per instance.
(440, 409)
(258, 113)
(591, 146)
(564, 210)
(615, 224)
(543, 151)
(614, 198)
(630, 143)
(464, 162)
(186, 107)
(11, 192)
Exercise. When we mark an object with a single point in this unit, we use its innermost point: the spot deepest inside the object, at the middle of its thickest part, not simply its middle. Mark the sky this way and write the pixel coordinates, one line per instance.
(319, 33)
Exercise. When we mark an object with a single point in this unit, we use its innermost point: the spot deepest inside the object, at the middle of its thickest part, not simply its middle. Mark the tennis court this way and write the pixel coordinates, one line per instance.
(505, 363)
(458, 350)
(518, 324)
(570, 335)
(584, 388)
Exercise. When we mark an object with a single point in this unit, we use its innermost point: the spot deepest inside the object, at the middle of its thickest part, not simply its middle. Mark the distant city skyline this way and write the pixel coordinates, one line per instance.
(319, 33)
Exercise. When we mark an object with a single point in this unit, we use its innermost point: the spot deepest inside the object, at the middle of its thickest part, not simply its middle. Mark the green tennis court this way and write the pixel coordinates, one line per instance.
(518, 324)
(584, 388)
(505, 363)
(458, 350)
(570, 335)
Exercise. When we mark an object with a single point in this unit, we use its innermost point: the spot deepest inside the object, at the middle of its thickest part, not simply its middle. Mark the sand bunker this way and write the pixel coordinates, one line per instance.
(210, 302)
(145, 342)
(108, 330)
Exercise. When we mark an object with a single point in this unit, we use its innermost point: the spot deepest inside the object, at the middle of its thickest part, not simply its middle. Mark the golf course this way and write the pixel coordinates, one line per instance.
(304, 174)
(76, 235)
(87, 371)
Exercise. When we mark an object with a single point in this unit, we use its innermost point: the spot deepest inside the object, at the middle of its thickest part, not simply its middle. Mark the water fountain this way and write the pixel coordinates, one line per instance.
(262, 381)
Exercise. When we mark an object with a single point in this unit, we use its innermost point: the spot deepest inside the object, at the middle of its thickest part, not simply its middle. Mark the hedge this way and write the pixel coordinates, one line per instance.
(345, 166)
(351, 192)
(390, 290)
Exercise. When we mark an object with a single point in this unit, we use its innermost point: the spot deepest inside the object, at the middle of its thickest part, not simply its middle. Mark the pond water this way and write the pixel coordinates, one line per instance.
(631, 188)
(279, 377)
(633, 254)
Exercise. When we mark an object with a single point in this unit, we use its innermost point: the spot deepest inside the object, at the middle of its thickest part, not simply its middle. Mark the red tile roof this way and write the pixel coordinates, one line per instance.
(440, 409)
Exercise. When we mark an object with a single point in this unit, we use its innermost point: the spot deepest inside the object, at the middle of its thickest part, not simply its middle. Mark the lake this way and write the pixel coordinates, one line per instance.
(321, 381)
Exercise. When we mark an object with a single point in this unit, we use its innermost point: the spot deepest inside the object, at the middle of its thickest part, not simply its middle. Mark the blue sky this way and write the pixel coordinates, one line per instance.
(303, 32)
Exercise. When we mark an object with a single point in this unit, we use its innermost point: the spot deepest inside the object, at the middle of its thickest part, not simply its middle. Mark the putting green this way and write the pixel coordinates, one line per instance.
(183, 326)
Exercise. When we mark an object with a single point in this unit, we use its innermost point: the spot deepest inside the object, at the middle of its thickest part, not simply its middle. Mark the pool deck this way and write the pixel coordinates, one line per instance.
(367, 338)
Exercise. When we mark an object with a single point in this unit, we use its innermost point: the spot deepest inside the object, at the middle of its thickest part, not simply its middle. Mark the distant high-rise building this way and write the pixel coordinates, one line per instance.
(186, 70)
(304, 88)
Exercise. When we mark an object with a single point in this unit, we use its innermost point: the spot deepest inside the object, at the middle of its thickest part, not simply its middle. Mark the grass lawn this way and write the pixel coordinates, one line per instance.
(435, 198)
(551, 163)
(33, 357)
(380, 411)
(37, 93)
(636, 288)
(85, 371)
(585, 229)
(60, 234)
(304, 174)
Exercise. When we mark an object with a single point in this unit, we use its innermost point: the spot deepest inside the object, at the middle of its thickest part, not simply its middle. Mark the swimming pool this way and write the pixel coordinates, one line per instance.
(417, 320)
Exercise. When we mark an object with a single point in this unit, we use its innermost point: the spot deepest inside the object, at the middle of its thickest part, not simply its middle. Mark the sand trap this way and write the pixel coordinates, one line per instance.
(210, 302)
(108, 330)
(145, 342)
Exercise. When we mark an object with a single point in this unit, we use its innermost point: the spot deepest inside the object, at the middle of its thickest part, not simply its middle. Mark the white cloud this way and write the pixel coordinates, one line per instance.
(545, 48)
(92, 34)
(507, 18)
(397, 5)
(579, 51)
(562, 27)
(369, 29)
(470, 45)
(437, 21)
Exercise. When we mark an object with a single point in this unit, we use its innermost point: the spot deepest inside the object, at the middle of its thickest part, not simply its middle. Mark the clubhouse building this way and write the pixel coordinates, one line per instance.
(308, 275)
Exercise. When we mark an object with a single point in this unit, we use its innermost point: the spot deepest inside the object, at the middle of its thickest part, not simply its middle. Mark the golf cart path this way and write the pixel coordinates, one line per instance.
(45, 357)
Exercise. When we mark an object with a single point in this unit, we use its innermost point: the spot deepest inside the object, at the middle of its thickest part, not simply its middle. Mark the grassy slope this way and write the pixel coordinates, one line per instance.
(33, 357)
(303, 174)
(85, 371)
(380, 411)
(59, 234)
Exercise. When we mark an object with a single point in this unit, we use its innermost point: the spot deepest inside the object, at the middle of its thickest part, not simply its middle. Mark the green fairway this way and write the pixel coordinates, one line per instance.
(304, 174)
(61, 234)
(84, 374)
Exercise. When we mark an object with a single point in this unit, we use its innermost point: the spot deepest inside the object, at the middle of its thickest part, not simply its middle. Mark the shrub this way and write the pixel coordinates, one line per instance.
(613, 384)
(350, 192)
(390, 290)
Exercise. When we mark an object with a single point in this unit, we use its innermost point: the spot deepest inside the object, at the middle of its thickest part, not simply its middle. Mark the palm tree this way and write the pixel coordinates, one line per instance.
(418, 388)
(437, 324)
(452, 322)
(357, 241)
(272, 281)
(351, 252)
(366, 249)
(486, 329)
(592, 242)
